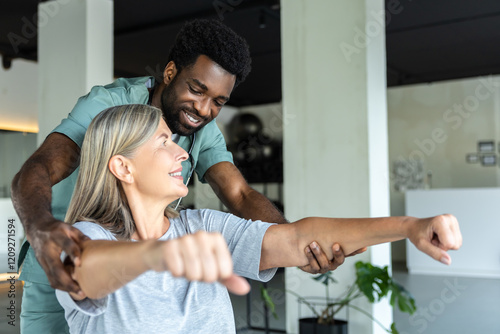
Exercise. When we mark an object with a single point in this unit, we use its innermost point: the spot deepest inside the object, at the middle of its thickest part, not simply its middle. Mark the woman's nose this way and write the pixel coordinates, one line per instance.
(182, 154)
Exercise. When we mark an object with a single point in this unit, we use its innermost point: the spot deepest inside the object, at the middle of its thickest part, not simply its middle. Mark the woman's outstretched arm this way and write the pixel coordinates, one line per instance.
(108, 265)
(283, 245)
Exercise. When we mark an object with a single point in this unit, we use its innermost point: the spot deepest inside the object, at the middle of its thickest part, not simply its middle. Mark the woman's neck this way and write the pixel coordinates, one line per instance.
(149, 218)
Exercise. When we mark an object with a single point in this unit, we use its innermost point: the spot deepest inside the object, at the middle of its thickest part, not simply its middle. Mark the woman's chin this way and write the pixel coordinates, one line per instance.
(183, 192)
(180, 192)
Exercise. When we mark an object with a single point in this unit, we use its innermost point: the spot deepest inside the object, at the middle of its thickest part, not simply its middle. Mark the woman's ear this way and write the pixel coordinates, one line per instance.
(121, 168)
(169, 72)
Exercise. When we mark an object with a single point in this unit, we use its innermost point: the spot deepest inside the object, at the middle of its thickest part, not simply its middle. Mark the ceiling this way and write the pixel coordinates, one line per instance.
(426, 40)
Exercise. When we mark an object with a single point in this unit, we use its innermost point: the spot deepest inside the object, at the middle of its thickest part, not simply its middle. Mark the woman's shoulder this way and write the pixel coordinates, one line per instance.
(94, 230)
(202, 214)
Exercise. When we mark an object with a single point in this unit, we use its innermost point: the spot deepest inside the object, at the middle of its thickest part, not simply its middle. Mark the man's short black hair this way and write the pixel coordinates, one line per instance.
(215, 40)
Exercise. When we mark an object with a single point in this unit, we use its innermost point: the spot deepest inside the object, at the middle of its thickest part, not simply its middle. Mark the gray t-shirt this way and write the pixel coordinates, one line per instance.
(159, 303)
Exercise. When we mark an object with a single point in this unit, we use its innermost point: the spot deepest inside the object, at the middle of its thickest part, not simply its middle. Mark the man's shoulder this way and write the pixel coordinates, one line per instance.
(129, 82)
(121, 91)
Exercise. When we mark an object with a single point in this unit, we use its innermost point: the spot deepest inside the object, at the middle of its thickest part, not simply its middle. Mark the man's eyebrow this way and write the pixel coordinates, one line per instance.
(205, 88)
(199, 83)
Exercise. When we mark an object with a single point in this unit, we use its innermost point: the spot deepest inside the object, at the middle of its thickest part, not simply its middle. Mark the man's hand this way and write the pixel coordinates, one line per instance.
(436, 235)
(201, 256)
(48, 242)
(319, 262)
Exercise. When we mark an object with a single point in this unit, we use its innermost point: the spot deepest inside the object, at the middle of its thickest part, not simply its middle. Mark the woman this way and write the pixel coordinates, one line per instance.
(129, 173)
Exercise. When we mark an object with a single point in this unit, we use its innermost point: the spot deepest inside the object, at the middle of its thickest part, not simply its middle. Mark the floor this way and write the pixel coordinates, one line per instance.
(450, 305)
(444, 305)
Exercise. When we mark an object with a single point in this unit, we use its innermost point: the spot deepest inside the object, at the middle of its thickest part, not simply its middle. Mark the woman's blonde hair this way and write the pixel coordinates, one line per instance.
(98, 196)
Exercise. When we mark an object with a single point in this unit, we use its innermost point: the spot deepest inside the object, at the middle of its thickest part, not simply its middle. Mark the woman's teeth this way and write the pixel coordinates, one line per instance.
(191, 118)
(175, 174)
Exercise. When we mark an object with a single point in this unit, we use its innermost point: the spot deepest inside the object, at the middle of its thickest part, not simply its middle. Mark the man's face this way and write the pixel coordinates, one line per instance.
(195, 96)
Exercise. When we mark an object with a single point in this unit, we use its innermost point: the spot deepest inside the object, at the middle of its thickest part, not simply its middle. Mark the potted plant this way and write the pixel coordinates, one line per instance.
(371, 282)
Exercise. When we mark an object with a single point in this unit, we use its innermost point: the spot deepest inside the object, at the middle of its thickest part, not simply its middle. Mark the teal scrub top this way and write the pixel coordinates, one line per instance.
(208, 149)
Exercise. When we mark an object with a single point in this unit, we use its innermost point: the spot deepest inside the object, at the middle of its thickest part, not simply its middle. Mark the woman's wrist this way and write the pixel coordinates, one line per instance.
(408, 226)
(152, 254)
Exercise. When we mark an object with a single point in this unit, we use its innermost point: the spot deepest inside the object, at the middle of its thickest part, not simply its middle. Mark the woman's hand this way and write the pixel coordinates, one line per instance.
(436, 235)
(201, 256)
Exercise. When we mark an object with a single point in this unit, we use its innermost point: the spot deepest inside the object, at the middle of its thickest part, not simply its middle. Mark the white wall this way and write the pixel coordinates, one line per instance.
(335, 154)
(15, 149)
(440, 123)
(19, 112)
(18, 96)
(75, 53)
(479, 256)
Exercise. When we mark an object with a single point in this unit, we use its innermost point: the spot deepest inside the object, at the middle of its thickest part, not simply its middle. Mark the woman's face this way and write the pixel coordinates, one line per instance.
(157, 166)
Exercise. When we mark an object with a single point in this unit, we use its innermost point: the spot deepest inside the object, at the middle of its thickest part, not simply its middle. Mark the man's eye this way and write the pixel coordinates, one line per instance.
(194, 91)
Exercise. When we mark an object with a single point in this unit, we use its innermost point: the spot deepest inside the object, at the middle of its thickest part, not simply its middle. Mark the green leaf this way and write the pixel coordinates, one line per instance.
(374, 282)
(268, 301)
(403, 298)
(393, 329)
(325, 278)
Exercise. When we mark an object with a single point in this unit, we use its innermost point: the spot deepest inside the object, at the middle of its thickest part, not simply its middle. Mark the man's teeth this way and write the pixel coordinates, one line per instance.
(175, 174)
(191, 118)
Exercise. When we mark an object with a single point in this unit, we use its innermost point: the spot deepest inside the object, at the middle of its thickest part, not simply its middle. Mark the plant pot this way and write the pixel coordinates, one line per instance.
(311, 326)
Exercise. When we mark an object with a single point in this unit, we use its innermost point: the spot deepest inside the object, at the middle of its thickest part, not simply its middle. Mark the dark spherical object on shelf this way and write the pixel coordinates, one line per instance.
(243, 126)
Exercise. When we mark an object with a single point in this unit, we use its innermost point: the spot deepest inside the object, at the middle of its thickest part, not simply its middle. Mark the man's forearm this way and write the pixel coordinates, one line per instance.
(31, 196)
(256, 206)
(55, 160)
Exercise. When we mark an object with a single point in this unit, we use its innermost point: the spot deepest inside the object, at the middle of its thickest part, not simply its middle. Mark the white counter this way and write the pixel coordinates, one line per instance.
(478, 213)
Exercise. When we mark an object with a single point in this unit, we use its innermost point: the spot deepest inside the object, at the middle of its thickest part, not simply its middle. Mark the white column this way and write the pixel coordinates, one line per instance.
(335, 130)
(75, 52)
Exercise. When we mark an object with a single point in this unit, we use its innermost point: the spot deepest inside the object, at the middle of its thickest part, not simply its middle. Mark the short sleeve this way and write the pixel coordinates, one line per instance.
(244, 239)
(91, 307)
(121, 91)
(94, 231)
(87, 107)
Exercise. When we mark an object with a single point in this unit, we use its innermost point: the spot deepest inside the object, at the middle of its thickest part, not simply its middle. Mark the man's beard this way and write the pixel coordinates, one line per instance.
(173, 115)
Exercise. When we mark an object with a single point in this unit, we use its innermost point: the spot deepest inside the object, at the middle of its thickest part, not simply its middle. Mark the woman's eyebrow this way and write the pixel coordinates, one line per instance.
(163, 135)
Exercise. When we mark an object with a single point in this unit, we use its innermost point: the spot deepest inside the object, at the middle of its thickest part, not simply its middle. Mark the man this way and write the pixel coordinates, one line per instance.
(206, 62)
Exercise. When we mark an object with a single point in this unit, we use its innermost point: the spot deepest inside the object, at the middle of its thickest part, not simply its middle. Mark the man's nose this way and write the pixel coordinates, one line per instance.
(203, 107)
